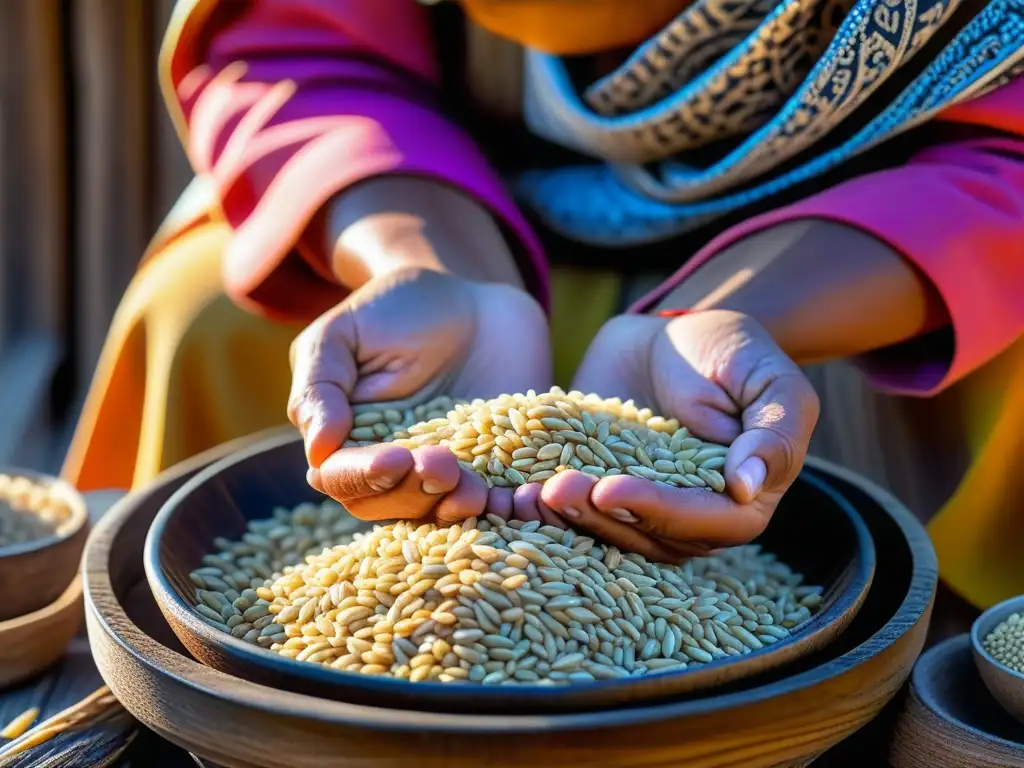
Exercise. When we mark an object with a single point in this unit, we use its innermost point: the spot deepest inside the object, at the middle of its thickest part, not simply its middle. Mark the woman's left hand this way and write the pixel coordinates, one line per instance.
(722, 376)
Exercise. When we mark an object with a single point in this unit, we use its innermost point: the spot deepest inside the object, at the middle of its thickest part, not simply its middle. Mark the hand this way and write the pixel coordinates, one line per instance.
(722, 376)
(411, 333)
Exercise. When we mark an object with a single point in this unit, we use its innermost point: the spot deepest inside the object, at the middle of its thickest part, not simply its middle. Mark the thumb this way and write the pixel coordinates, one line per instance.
(757, 460)
(323, 375)
(777, 430)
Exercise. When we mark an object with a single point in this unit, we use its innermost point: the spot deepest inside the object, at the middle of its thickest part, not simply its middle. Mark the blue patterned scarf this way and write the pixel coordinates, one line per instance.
(739, 101)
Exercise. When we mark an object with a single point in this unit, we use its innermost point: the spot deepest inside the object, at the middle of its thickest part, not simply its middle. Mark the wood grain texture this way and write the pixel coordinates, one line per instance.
(33, 642)
(951, 720)
(785, 720)
(221, 499)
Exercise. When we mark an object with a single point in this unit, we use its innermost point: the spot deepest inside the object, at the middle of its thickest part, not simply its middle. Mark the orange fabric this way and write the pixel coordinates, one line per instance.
(176, 373)
(573, 27)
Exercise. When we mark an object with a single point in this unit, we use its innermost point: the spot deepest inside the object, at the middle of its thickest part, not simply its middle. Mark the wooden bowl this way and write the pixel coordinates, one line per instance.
(36, 640)
(1005, 684)
(815, 530)
(785, 717)
(950, 719)
(43, 569)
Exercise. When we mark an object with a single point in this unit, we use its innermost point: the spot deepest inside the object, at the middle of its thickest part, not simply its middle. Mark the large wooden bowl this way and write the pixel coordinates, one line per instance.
(815, 530)
(784, 718)
(40, 571)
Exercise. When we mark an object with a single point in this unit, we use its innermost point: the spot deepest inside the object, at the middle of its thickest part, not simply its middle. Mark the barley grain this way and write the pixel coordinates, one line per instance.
(512, 440)
(31, 511)
(20, 724)
(489, 601)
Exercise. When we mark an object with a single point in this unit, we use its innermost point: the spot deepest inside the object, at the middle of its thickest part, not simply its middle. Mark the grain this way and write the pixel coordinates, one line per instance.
(597, 436)
(20, 724)
(97, 717)
(490, 601)
(1006, 643)
(30, 511)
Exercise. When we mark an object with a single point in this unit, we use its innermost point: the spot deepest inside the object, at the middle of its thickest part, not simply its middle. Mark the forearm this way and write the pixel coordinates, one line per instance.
(393, 222)
(822, 289)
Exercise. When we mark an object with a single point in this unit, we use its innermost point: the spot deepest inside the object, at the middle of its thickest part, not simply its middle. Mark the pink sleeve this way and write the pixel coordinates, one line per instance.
(957, 212)
(285, 103)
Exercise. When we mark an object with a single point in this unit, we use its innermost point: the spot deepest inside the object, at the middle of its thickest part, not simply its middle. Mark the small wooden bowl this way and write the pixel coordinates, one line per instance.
(815, 530)
(950, 719)
(786, 717)
(36, 640)
(1005, 684)
(41, 570)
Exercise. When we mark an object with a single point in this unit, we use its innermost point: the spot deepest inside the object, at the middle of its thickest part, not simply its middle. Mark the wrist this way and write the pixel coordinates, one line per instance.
(396, 223)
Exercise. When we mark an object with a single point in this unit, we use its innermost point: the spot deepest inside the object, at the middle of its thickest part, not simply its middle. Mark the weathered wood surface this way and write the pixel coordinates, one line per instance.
(190, 704)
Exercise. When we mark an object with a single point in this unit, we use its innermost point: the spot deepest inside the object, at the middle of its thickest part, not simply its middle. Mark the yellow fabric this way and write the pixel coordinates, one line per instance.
(573, 27)
(581, 302)
(176, 373)
(979, 534)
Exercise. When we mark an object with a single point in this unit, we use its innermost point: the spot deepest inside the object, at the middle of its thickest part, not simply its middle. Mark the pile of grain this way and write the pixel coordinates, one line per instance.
(1006, 643)
(490, 601)
(517, 439)
(29, 511)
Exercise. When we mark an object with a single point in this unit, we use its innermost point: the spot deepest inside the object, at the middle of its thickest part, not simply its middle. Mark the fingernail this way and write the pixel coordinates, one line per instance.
(752, 474)
(307, 413)
(432, 487)
(570, 512)
(313, 478)
(623, 515)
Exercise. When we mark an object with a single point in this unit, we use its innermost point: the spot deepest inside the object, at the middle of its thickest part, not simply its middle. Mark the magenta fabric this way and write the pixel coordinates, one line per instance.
(292, 101)
(956, 211)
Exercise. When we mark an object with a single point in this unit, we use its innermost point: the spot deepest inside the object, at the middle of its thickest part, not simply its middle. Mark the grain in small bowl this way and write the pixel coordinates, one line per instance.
(997, 639)
(44, 523)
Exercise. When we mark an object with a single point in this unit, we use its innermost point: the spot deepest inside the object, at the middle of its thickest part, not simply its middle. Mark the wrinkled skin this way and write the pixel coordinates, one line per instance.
(720, 374)
(414, 333)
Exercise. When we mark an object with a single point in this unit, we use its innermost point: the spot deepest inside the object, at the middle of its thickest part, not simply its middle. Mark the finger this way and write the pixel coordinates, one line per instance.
(500, 502)
(433, 467)
(313, 479)
(548, 515)
(777, 428)
(582, 515)
(354, 474)
(524, 503)
(437, 468)
(694, 397)
(323, 372)
(628, 339)
(469, 499)
(566, 492)
(680, 514)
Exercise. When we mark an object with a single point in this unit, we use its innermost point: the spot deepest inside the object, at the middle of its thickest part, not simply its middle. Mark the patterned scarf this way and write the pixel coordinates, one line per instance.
(737, 101)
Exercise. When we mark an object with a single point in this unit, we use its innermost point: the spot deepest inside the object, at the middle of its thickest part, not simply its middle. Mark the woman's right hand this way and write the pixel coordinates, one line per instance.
(412, 333)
